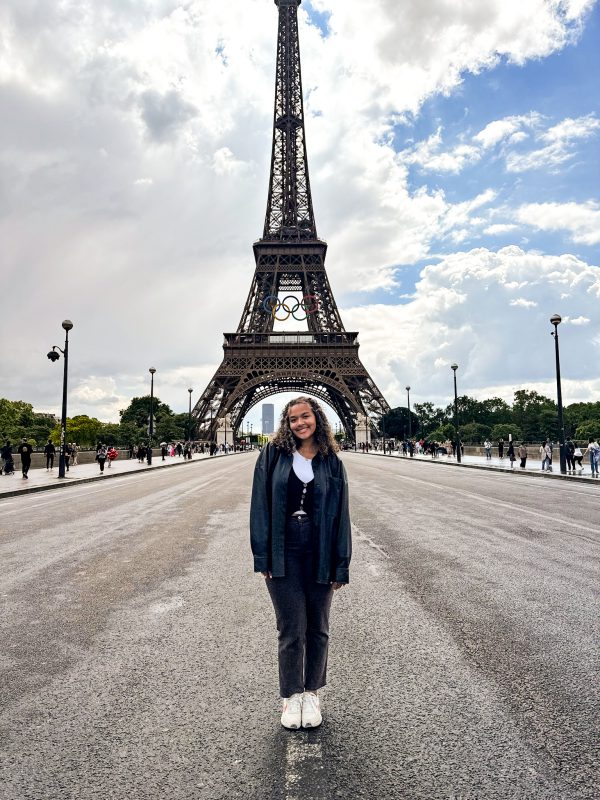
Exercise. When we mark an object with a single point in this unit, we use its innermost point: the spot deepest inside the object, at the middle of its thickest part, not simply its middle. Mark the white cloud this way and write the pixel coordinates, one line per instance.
(500, 228)
(580, 321)
(560, 140)
(558, 144)
(480, 327)
(581, 220)
(522, 303)
(504, 129)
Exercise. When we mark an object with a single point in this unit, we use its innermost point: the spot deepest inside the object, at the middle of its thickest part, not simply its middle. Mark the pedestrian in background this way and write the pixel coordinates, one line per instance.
(501, 448)
(487, 446)
(301, 543)
(68, 452)
(578, 457)
(522, 451)
(111, 455)
(546, 455)
(101, 456)
(6, 454)
(593, 451)
(25, 450)
(570, 455)
(511, 453)
(50, 452)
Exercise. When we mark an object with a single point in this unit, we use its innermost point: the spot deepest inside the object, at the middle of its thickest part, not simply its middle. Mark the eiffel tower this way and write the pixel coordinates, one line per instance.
(290, 274)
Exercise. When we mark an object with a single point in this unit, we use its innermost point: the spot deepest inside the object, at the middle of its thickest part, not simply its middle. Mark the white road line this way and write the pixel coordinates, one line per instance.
(502, 504)
(529, 480)
(86, 492)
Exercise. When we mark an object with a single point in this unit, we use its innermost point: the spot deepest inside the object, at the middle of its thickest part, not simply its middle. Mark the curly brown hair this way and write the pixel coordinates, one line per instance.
(285, 440)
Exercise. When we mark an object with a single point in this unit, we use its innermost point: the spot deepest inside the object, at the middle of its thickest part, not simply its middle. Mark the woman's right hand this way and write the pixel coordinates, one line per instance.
(267, 574)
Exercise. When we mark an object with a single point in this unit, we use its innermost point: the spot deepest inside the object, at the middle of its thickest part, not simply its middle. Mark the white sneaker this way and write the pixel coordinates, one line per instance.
(291, 716)
(311, 711)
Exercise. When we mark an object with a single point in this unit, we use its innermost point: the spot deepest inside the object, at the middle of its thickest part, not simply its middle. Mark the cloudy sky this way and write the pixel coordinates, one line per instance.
(454, 157)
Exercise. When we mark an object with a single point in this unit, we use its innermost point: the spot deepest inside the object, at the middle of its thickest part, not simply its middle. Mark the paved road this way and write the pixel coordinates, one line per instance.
(138, 655)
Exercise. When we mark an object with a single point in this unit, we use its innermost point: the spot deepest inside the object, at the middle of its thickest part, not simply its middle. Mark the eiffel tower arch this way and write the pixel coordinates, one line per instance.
(322, 360)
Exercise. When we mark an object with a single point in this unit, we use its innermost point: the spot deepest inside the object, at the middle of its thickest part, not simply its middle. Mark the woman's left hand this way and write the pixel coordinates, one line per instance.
(336, 585)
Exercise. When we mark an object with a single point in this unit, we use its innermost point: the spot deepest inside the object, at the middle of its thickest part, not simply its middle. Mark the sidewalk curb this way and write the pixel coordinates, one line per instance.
(102, 476)
(517, 471)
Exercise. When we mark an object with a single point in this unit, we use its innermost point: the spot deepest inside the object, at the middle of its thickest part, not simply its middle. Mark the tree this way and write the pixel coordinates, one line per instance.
(171, 428)
(83, 430)
(532, 412)
(505, 430)
(110, 433)
(138, 411)
(18, 420)
(396, 423)
(474, 433)
(588, 429)
(443, 433)
(429, 418)
(578, 414)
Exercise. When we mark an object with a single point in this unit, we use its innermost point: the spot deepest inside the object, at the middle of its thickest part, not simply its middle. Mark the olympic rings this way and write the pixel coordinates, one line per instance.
(309, 304)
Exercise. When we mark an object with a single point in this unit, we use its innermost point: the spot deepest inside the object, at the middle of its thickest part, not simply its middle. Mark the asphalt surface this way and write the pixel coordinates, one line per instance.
(138, 649)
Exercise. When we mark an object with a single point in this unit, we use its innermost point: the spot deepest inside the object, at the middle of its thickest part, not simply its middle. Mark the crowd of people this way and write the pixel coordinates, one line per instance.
(511, 450)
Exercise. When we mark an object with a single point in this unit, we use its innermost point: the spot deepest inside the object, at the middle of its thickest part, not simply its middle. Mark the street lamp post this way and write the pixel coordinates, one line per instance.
(454, 367)
(190, 418)
(556, 319)
(53, 356)
(409, 422)
(152, 370)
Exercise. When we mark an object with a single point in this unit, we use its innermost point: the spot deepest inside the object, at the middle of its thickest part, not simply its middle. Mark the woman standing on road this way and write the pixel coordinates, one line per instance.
(301, 542)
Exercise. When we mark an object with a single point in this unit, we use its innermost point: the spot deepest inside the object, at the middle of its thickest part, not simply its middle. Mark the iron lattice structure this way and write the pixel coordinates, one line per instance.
(290, 259)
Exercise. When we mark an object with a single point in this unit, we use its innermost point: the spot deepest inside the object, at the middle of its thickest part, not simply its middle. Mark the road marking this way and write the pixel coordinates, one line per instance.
(86, 492)
(501, 504)
(297, 751)
(529, 479)
(505, 504)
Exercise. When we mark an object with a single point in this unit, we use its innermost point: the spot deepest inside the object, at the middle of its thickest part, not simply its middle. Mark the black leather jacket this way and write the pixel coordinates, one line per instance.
(331, 518)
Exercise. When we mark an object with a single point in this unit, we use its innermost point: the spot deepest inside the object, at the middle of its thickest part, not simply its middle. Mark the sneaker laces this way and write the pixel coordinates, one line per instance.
(293, 704)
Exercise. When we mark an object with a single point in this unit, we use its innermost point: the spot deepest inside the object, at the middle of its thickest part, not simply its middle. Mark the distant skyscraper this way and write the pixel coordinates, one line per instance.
(268, 418)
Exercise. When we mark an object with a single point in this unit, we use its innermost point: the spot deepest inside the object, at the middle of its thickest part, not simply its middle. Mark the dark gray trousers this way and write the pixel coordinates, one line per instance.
(302, 612)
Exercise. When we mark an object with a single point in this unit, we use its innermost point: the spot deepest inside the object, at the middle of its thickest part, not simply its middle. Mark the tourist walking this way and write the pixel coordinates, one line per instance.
(487, 446)
(546, 456)
(50, 452)
(501, 448)
(593, 451)
(67, 456)
(101, 456)
(6, 454)
(578, 457)
(522, 451)
(511, 453)
(25, 450)
(570, 455)
(301, 543)
(111, 455)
